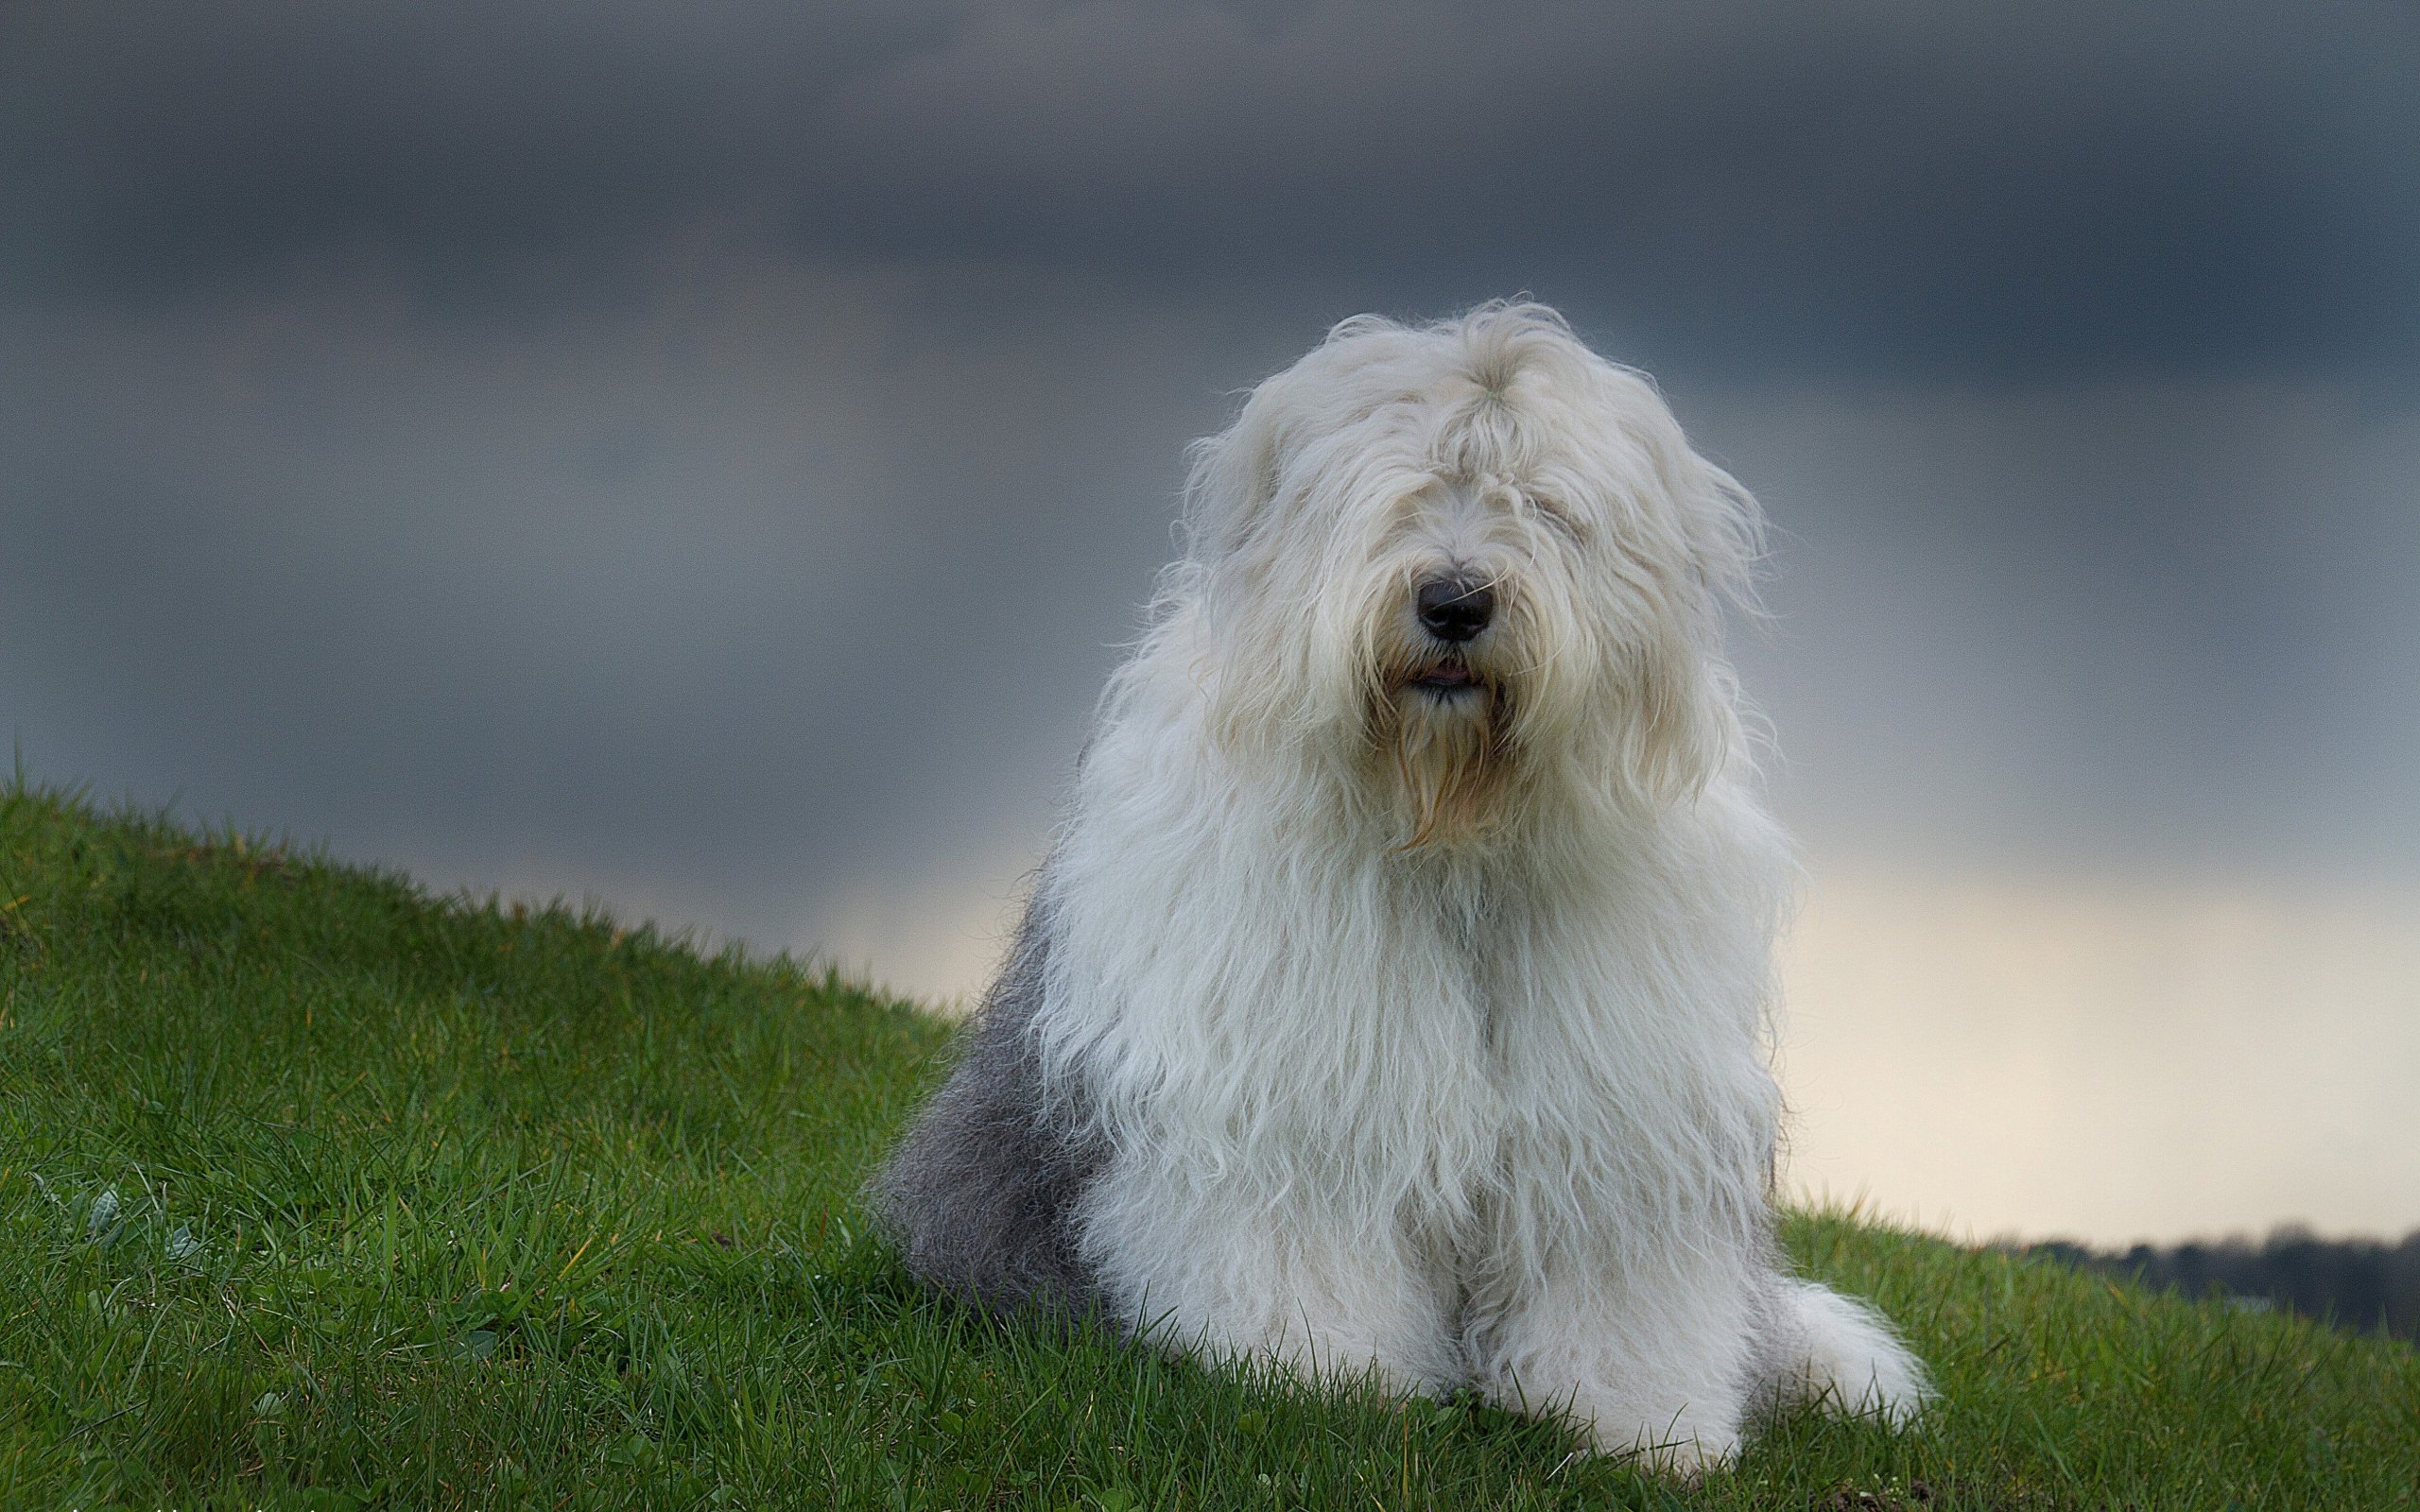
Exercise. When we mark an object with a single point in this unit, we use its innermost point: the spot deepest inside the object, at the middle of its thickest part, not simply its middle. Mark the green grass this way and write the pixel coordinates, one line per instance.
(317, 1192)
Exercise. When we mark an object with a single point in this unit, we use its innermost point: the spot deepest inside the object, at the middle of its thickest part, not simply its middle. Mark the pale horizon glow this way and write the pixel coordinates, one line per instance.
(2106, 1057)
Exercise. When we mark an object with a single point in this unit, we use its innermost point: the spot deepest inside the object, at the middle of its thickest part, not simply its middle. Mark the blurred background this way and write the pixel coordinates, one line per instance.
(704, 459)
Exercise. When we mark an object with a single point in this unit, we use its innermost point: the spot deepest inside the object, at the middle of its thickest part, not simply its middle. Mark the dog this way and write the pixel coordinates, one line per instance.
(1396, 999)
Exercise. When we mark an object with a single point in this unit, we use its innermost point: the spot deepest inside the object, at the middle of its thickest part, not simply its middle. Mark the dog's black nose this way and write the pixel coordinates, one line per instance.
(1455, 609)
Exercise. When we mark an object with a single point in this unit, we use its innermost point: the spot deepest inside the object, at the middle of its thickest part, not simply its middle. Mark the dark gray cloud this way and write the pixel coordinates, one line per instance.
(1885, 187)
(2026, 186)
(709, 454)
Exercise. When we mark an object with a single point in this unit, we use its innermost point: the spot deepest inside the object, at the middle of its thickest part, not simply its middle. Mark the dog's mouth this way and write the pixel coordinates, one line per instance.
(1446, 680)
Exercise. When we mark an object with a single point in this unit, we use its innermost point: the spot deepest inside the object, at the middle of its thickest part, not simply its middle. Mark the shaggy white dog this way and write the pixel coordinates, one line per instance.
(1396, 997)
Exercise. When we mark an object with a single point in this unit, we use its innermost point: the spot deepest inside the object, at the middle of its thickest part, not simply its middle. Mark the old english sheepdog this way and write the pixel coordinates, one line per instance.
(1396, 998)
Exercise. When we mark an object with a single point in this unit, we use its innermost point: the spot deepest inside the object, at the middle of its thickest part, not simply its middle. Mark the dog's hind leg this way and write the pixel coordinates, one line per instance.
(980, 1195)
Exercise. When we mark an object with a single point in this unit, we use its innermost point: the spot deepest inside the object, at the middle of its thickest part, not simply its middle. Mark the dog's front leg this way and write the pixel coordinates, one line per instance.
(1215, 1269)
(1646, 1355)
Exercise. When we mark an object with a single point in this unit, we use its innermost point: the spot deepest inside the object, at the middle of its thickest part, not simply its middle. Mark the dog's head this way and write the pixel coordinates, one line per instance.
(1475, 558)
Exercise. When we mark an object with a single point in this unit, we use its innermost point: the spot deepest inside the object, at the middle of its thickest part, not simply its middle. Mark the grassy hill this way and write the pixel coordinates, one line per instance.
(317, 1192)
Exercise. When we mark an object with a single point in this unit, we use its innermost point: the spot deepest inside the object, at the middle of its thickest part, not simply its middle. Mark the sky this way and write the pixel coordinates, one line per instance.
(705, 459)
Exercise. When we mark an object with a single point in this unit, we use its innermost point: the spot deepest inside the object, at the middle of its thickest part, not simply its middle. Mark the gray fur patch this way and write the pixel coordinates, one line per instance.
(981, 1195)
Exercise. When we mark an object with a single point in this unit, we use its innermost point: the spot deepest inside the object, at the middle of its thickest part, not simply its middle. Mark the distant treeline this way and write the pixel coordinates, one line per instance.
(2369, 1285)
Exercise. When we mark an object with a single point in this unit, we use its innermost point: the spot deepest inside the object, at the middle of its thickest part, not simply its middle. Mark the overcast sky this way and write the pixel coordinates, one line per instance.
(706, 455)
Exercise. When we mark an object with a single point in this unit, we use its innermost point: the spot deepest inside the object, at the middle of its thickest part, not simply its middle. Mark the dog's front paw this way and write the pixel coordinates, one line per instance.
(1686, 1461)
(1675, 1447)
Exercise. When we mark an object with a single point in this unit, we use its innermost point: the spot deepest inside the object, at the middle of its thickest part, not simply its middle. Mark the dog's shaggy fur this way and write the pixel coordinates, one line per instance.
(1396, 997)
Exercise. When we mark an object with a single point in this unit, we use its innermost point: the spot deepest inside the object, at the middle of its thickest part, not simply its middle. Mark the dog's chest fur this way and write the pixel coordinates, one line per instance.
(1447, 1042)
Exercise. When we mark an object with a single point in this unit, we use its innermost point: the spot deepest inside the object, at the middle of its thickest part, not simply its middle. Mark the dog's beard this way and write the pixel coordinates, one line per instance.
(1440, 732)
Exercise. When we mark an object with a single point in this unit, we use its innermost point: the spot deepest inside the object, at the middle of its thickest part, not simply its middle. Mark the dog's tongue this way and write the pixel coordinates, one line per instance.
(1448, 675)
